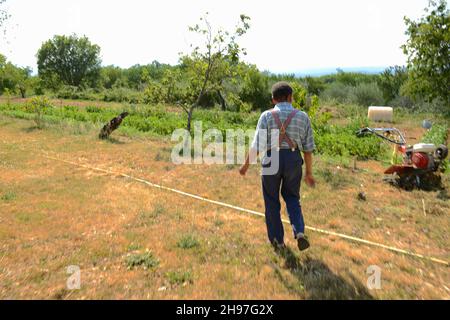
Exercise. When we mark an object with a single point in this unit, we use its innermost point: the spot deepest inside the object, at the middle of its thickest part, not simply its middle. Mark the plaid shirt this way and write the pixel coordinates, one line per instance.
(299, 130)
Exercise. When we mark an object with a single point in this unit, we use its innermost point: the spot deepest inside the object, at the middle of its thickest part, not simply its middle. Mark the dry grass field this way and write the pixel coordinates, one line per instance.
(132, 241)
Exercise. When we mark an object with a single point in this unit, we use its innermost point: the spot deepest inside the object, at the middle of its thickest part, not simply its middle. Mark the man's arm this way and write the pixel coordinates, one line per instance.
(257, 144)
(251, 157)
(309, 146)
(309, 178)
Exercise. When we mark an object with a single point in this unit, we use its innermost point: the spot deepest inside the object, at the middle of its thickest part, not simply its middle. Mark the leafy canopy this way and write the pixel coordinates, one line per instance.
(69, 60)
(428, 51)
(212, 63)
(12, 78)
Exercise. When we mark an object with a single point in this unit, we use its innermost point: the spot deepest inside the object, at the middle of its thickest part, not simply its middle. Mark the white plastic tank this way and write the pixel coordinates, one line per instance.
(380, 114)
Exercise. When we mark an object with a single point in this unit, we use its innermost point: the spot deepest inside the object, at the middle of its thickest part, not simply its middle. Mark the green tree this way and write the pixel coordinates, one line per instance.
(428, 51)
(170, 80)
(299, 96)
(168, 90)
(390, 82)
(353, 78)
(133, 75)
(39, 106)
(110, 76)
(314, 86)
(69, 60)
(12, 78)
(145, 79)
(255, 89)
(207, 67)
(157, 69)
(138, 75)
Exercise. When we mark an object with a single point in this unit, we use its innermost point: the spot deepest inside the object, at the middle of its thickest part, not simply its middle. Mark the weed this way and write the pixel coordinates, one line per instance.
(9, 196)
(146, 260)
(159, 157)
(39, 106)
(149, 217)
(179, 277)
(134, 247)
(188, 242)
(336, 179)
(218, 222)
(436, 135)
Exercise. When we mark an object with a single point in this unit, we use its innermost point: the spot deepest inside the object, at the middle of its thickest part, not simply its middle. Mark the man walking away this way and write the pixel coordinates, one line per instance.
(293, 129)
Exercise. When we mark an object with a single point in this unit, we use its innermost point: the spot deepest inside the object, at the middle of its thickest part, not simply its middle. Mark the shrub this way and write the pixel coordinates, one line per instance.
(402, 102)
(39, 106)
(236, 104)
(437, 106)
(347, 144)
(436, 135)
(177, 277)
(342, 141)
(390, 81)
(314, 85)
(68, 92)
(8, 196)
(154, 93)
(367, 94)
(255, 90)
(299, 96)
(76, 93)
(147, 260)
(188, 242)
(122, 95)
(336, 178)
(319, 120)
(337, 91)
(93, 109)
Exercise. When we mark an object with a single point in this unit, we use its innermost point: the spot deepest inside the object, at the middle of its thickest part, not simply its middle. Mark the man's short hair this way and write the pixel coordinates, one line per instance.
(281, 91)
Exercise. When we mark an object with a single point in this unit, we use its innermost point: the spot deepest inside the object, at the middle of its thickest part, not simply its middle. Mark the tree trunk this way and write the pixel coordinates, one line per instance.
(188, 127)
(112, 125)
(222, 101)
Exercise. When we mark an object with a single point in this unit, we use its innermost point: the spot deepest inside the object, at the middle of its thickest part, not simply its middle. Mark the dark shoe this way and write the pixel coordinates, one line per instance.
(278, 247)
(302, 243)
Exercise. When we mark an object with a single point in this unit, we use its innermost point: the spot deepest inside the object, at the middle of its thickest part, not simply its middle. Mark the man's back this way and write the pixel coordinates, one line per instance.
(299, 129)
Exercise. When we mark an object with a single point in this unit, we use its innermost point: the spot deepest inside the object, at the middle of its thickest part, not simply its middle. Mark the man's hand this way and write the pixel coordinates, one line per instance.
(243, 169)
(250, 158)
(309, 179)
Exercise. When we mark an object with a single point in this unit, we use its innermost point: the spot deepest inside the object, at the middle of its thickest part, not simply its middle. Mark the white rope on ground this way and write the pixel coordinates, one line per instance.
(223, 204)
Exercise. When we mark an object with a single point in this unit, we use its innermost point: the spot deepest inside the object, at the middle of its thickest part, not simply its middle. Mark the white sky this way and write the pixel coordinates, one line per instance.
(290, 35)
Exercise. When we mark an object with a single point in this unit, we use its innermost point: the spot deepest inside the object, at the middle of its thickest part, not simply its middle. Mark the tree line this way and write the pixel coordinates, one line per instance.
(213, 73)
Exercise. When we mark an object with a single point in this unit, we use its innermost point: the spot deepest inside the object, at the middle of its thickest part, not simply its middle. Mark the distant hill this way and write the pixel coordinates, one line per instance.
(326, 71)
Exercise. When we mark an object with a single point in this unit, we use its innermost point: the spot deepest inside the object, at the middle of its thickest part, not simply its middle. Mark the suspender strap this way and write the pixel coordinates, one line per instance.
(283, 126)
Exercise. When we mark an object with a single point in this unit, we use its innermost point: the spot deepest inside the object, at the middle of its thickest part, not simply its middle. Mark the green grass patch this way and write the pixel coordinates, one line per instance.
(188, 242)
(179, 277)
(8, 196)
(134, 247)
(145, 260)
(333, 140)
(29, 217)
(150, 217)
(335, 178)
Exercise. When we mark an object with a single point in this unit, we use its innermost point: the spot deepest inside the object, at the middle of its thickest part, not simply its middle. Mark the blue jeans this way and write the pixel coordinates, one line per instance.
(288, 177)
